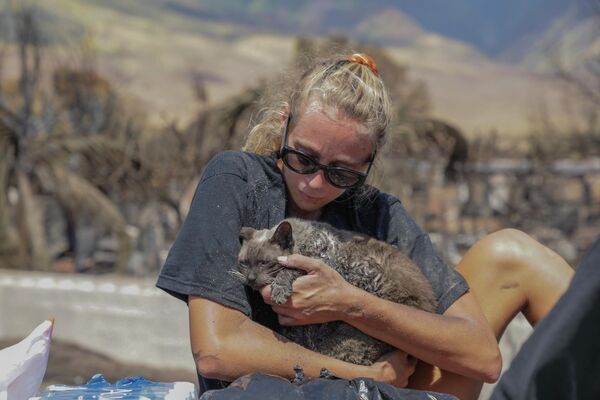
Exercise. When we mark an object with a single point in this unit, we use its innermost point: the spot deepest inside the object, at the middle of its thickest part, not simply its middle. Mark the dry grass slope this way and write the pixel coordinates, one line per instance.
(152, 54)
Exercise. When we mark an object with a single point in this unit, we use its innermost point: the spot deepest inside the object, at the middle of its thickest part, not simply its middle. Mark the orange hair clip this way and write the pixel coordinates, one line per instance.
(364, 59)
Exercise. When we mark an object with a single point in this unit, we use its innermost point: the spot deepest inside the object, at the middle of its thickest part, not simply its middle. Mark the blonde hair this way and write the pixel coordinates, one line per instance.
(346, 85)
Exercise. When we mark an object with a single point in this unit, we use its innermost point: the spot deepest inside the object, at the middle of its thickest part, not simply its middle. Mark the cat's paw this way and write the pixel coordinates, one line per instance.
(280, 294)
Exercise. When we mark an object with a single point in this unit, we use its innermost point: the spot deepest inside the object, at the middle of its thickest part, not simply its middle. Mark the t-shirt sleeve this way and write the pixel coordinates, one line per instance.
(205, 251)
(404, 233)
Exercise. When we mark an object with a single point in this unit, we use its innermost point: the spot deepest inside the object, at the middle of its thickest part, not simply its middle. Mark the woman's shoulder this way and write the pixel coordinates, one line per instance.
(395, 211)
(385, 214)
(240, 163)
(375, 199)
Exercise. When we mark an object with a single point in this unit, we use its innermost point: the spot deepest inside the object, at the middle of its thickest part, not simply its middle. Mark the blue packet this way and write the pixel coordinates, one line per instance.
(131, 388)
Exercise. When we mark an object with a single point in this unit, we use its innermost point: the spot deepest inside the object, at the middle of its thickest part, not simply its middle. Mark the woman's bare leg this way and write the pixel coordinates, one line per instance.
(507, 272)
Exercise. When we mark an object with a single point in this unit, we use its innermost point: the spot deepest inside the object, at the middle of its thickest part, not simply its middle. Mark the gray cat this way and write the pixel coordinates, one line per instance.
(370, 264)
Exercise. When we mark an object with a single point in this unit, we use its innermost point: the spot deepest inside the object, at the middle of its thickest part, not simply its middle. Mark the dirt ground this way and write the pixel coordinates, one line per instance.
(71, 364)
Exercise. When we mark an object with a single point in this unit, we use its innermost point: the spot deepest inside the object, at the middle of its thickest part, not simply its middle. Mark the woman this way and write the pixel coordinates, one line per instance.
(309, 159)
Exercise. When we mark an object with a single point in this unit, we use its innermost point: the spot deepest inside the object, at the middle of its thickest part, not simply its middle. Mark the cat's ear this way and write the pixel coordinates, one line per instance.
(246, 233)
(283, 236)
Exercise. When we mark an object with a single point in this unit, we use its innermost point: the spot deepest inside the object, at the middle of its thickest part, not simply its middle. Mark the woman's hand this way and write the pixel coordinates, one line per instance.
(317, 297)
(395, 368)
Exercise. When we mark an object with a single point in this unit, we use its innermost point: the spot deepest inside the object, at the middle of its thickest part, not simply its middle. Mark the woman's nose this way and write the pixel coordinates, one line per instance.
(317, 180)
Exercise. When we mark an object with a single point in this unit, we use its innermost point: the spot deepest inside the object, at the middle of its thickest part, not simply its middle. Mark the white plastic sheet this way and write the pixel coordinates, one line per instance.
(23, 365)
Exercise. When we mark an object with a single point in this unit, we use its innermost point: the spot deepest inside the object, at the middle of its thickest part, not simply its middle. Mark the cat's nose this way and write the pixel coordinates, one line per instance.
(252, 277)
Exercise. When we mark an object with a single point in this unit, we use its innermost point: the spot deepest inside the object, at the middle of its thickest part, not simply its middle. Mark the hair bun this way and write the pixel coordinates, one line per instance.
(364, 59)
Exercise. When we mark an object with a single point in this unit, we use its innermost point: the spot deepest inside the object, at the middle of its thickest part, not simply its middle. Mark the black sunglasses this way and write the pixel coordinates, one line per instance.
(302, 163)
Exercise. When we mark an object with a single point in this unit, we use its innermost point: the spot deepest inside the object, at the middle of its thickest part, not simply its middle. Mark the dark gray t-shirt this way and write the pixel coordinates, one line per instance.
(244, 189)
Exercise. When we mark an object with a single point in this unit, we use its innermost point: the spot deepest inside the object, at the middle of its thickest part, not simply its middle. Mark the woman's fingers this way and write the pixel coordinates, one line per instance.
(299, 261)
(316, 297)
(397, 367)
(287, 321)
(265, 292)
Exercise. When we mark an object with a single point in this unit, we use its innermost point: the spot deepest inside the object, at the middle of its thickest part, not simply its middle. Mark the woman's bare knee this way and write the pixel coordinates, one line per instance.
(513, 251)
(511, 259)
(509, 246)
(497, 253)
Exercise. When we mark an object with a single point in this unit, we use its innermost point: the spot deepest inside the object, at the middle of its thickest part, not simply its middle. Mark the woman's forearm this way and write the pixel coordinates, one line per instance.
(226, 345)
(255, 348)
(459, 341)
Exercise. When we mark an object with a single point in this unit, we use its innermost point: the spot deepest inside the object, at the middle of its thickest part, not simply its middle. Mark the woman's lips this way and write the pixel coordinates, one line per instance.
(310, 198)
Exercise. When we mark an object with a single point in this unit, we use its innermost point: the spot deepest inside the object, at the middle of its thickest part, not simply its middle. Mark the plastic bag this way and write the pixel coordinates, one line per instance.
(125, 389)
(23, 365)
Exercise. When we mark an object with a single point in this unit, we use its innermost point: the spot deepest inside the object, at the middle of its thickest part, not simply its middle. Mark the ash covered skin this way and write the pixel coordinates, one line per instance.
(367, 263)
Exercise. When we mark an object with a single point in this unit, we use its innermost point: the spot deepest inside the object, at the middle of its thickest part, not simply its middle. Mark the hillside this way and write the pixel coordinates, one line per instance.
(153, 49)
(570, 41)
(492, 28)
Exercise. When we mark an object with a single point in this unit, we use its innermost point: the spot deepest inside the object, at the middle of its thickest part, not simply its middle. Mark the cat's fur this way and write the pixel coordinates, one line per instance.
(370, 264)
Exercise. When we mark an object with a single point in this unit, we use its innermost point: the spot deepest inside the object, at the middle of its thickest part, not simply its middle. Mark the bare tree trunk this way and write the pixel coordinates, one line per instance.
(75, 193)
(31, 225)
(11, 254)
(28, 38)
(124, 250)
